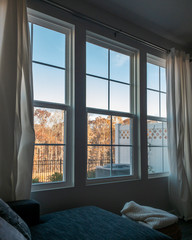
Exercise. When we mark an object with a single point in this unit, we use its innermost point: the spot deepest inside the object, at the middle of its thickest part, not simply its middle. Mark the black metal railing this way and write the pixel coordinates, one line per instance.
(47, 171)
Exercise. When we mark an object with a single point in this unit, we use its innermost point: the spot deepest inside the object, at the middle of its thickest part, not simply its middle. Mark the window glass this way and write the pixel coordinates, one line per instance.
(110, 148)
(107, 152)
(120, 97)
(155, 133)
(49, 126)
(122, 165)
(49, 83)
(99, 129)
(155, 160)
(157, 114)
(152, 76)
(119, 67)
(48, 46)
(163, 105)
(48, 164)
(51, 53)
(97, 60)
(122, 130)
(97, 93)
(152, 103)
(98, 164)
(163, 79)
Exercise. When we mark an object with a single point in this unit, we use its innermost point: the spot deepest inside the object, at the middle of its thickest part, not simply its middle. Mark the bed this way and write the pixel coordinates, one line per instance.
(91, 223)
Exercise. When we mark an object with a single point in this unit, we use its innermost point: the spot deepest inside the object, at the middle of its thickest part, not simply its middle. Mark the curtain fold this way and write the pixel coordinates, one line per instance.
(16, 102)
(179, 123)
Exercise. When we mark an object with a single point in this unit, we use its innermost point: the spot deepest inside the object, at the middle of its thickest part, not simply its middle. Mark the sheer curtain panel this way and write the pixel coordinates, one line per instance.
(16, 95)
(179, 110)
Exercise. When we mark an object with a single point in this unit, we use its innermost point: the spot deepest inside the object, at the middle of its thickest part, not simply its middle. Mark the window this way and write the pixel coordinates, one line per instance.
(111, 112)
(156, 116)
(51, 42)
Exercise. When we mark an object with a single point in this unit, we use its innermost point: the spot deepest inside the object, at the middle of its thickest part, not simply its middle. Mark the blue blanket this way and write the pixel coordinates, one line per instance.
(91, 223)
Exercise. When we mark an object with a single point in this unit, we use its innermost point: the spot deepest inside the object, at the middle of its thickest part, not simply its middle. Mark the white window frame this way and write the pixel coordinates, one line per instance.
(160, 62)
(133, 53)
(69, 31)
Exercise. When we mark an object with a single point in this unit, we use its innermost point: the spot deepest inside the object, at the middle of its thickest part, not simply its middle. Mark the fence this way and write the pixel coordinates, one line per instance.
(47, 171)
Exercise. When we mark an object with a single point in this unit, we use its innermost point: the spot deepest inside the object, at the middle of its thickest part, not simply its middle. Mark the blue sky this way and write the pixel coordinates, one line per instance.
(153, 97)
(115, 66)
(49, 48)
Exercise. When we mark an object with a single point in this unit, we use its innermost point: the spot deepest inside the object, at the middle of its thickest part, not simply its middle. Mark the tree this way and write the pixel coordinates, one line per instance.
(56, 177)
(49, 129)
(99, 133)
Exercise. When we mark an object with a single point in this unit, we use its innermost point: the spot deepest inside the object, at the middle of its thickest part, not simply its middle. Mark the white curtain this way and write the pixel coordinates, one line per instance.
(179, 113)
(16, 109)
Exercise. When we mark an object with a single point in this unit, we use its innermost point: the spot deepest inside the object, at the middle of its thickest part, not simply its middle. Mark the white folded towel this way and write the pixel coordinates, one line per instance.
(151, 217)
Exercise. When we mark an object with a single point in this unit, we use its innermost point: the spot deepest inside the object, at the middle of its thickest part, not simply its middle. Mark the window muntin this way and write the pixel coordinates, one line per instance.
(51, 80)
(49, 46)
(156, 90)
(51, 42)
(110, 100)
(108, 78)
(110, 145)
(156, 116)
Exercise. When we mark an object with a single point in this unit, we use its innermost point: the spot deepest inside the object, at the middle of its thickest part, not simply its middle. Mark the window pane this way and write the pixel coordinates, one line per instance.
(98, 162)
(49, 84)
(152, 76)
(155, 160)
(155, 133)
(48, 46)
(49, 126)
(96, 60)
(97, 93)
(119, 97)
(163, 79)
(122, 130)
(48, 164)
(122, 161)
(163, 105)
(152, 103)
(119, 67)
(164, 134)
(99, 129)
(166, 162)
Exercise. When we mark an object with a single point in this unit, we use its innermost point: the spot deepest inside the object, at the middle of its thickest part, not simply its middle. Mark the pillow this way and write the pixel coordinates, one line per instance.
(12, 218)
(8, 232)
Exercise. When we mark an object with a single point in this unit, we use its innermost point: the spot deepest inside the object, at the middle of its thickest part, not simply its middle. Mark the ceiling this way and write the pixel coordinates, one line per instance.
(171, 19)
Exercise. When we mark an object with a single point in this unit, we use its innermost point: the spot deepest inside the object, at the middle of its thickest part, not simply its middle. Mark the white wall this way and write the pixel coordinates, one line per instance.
(153, 192)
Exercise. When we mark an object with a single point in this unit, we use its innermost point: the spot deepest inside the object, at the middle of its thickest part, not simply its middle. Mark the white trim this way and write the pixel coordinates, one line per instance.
(107, 42)
(133, 54)
(113, 179)
(68, 29)
(158, 175)
(161, 62)
(49, 22)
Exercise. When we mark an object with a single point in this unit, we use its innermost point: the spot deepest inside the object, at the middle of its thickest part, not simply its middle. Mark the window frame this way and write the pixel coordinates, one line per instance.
(133, 114)
(69, 30)
(160, 62)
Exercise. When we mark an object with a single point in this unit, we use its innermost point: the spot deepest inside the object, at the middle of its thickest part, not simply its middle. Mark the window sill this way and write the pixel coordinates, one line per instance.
(109, 180)
(158, 175)
(50, 186)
